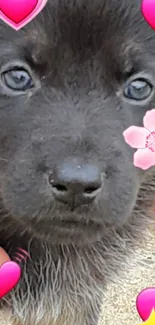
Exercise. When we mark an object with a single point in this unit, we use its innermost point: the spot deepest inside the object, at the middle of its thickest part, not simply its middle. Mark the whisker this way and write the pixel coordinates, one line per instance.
(3, 159)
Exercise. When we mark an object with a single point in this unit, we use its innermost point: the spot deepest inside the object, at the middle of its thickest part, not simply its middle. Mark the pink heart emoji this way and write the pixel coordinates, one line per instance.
(145, 303)
(10, 273)
(18, 13)
(148, 11)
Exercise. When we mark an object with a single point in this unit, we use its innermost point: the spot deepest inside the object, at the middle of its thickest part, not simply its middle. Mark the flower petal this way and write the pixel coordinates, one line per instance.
(135, 136)
(149, 120)
(144, 159)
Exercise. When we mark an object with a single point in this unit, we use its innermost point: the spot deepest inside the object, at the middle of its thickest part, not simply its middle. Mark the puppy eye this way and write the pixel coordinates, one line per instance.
(138, 89)
(17, 79)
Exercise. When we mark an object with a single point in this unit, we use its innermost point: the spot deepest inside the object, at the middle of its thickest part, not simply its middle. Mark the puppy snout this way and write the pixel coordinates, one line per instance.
(76, 182)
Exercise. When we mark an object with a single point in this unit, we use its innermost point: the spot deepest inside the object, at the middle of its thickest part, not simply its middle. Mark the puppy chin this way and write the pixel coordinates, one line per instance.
(57, 232)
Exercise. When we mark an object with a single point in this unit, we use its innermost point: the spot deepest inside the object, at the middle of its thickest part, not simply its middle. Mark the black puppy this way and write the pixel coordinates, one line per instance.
(71, 82)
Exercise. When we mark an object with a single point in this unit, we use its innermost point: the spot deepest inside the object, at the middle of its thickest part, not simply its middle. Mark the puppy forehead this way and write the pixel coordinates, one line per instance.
(84, 22)
(85, 26)
(79, 26)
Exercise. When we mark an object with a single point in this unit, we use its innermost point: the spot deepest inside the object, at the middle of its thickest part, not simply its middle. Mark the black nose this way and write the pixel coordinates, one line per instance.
(76, 184)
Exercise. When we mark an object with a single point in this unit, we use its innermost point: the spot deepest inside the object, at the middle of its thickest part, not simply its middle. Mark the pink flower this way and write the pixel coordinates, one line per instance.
(143, 139)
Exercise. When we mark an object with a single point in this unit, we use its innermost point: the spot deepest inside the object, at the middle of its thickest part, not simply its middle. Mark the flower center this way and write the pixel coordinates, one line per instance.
(150, 141)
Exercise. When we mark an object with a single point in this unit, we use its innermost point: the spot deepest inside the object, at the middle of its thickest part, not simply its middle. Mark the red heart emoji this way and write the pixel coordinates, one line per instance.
(146, 303)
(17, 10)
(10, 273)
(148, 12)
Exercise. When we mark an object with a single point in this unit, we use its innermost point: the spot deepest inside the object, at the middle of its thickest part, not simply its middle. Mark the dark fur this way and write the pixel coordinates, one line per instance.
(81, 53)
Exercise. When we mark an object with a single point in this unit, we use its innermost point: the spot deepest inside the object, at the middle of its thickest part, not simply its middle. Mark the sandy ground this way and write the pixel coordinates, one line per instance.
(119, 307)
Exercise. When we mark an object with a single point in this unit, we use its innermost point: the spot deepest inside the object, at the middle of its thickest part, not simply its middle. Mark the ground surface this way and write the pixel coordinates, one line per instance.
(120, 306)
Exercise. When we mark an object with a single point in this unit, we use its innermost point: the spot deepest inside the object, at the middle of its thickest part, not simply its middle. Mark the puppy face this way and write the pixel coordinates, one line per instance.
(70, 83)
